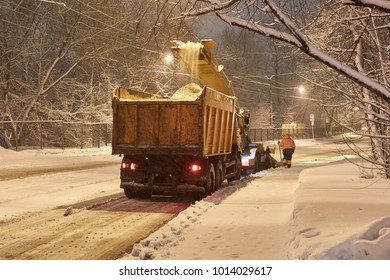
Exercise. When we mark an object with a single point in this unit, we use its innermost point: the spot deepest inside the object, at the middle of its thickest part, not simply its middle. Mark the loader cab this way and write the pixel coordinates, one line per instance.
(243, 120)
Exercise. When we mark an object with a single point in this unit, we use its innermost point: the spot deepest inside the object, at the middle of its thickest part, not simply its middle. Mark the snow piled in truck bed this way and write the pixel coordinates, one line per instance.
(190, 92)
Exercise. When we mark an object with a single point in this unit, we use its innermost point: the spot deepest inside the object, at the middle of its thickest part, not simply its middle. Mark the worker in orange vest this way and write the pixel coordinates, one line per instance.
(288, 146)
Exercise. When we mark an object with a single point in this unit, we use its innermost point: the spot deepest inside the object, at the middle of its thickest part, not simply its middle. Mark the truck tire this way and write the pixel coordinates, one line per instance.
(238, 170)
(129, 193)
(219, 175)
(258, 165)
(210, 182)
(144, 194)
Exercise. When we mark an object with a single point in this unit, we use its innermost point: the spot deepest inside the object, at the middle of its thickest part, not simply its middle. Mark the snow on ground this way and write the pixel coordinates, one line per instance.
(35, 180)
(26, 158)
(324, 207)
(25, 162)
(338, 214)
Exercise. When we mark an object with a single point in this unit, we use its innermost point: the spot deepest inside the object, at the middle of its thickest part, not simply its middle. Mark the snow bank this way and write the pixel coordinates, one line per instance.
(371, 243)
(46, 157)
(8, 155)
(340, 214)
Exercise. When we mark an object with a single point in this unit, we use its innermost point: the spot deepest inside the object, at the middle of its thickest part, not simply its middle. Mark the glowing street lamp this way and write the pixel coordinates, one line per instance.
(301, 89)
(168, 58)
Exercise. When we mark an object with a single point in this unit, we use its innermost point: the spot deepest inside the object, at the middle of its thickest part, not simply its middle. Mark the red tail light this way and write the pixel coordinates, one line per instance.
(195, 167)
(129, 165)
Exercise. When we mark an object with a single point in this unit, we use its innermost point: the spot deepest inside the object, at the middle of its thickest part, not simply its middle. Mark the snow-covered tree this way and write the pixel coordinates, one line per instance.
(46, 49)
(351, 38)
(60, 60)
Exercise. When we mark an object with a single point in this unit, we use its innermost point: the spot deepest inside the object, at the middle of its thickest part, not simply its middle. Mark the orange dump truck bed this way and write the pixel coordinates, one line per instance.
(200, 124)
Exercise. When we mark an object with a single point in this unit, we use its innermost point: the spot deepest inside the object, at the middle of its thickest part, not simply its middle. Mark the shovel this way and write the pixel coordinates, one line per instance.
(280, 153)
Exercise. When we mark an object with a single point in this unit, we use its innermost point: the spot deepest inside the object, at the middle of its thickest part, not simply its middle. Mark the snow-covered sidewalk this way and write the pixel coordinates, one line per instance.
(324, 207)
(252, 223)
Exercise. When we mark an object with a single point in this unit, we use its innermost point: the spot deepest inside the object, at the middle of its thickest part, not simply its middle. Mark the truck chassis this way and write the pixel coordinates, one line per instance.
(144, 176)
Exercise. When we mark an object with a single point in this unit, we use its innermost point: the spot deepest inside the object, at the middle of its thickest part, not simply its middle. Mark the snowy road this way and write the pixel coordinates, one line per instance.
(36, 188)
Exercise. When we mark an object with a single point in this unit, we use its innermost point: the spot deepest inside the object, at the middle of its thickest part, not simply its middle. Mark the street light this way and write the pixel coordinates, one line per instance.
(168, 58)
(301, 89)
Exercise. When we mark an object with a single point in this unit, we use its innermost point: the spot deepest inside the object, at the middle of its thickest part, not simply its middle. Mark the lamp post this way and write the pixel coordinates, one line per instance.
(312, 124)
(269, 78)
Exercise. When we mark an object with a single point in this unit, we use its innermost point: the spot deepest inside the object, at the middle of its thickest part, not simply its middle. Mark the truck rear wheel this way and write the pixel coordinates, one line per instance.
(238, 167)
(129, 193)
(210, 184)
(218, 176)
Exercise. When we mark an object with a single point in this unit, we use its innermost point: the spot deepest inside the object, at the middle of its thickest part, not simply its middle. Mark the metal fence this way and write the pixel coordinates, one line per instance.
(274, 134)
(59, 134)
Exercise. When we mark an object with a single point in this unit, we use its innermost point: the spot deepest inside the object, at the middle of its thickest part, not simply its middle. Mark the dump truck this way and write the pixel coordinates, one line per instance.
(190, 142)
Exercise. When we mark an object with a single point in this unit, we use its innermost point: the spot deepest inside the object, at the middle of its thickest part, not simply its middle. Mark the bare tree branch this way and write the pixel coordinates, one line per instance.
(303, 44)
(383, 5)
